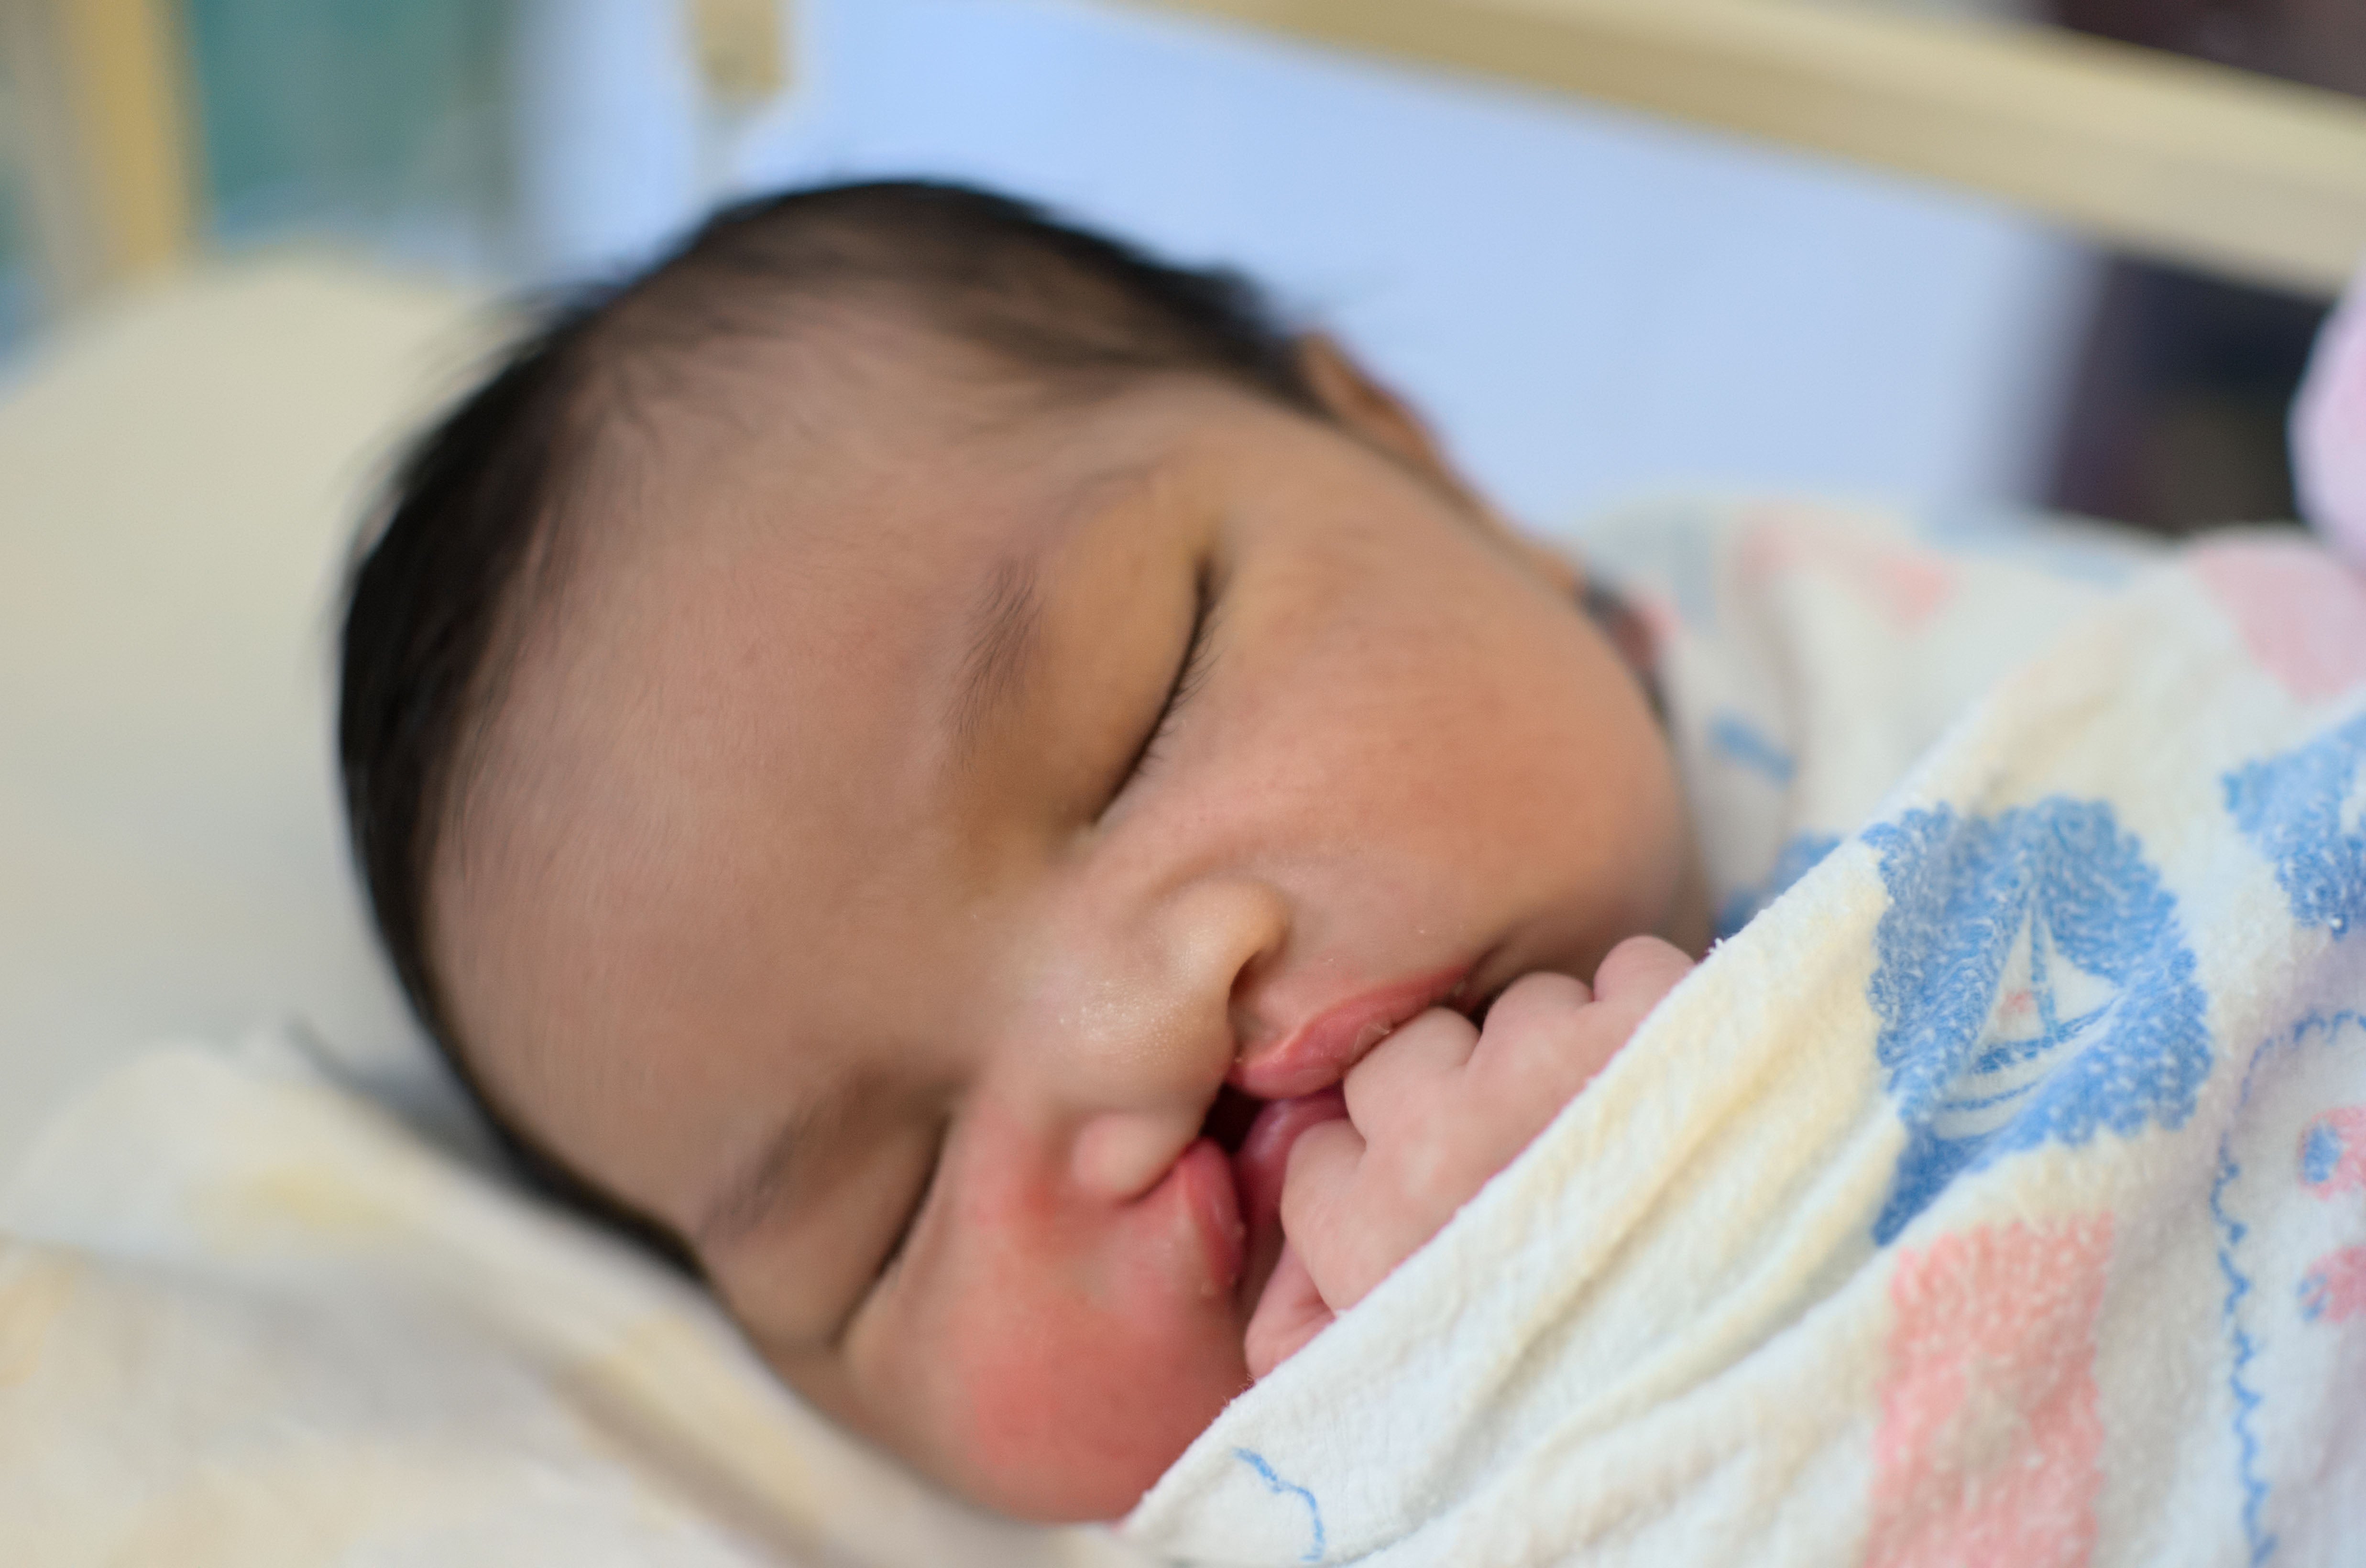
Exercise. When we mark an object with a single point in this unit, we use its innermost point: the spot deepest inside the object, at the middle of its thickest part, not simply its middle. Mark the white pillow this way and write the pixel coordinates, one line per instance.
(180, 475)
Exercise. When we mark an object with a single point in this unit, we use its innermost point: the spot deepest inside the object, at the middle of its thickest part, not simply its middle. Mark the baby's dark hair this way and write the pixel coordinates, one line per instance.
(487, 492)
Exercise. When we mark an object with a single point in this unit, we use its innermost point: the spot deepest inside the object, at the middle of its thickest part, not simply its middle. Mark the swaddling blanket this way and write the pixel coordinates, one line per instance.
(1996, 1195)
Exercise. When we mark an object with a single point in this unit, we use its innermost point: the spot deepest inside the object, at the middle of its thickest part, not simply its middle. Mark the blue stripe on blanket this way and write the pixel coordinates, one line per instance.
(2033, 986)
(1747, 745)
(2074, 554)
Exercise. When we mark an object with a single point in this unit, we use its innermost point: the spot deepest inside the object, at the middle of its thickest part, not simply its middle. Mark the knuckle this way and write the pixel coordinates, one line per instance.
(1430, 1174)
(1434, 1041)
(1398, 1077)
(1541, 1002)
(1642, 962)
(1321, 1154)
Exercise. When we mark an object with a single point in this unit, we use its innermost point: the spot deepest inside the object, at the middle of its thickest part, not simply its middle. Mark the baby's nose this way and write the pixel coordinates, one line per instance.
(1141, 1034)
(1133, 1085)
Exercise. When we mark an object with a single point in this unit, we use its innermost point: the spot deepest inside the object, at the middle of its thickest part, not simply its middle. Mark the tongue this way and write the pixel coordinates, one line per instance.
(1264, 1161)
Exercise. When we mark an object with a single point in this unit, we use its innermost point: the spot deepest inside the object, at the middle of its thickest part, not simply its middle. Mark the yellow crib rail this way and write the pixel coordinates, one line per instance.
(2189, 162)
(2194, 163)
(101, 114)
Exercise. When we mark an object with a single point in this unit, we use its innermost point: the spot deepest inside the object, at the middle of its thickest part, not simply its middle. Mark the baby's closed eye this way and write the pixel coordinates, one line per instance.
(900, 1238)
(1191, 673)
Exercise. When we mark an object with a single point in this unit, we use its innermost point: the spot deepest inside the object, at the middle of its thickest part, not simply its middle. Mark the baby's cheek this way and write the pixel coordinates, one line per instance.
(1076, 1348)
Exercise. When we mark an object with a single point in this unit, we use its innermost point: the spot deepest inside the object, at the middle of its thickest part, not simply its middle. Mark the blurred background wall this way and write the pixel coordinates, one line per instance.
(1591, 303)
(388, 123)
(2175, 417)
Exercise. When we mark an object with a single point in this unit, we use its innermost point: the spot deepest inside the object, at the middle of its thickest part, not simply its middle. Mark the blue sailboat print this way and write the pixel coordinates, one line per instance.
(2032, 985)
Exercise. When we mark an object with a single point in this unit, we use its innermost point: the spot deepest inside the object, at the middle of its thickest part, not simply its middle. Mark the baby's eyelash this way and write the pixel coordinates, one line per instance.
(903, 1235)
(1197, 655)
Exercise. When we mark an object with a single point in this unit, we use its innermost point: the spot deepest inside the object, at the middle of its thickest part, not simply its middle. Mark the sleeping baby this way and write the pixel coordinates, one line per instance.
(974, 784)
(1023, 823)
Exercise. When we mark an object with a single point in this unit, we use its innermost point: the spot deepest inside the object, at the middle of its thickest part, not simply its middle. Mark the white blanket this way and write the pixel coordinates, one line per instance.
(1997, 1196)
(248, 1321)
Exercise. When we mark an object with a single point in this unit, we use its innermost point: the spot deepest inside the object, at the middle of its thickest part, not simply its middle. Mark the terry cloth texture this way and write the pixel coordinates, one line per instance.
(249, 1321)
(1997, 1192)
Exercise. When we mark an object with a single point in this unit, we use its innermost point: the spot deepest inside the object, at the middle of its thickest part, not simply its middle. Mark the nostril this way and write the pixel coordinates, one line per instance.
(1242, 1014)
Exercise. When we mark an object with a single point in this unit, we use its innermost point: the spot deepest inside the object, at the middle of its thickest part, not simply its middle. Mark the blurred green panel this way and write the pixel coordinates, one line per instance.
(378, 120)
(16, 301)
(17, 265)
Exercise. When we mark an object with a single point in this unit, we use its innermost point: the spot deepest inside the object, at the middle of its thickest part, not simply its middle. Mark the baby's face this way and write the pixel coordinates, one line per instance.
(911, 820)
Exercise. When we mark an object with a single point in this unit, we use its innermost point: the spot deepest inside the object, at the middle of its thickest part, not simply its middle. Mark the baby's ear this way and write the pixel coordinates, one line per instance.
(1369, 409)
(1374, 413)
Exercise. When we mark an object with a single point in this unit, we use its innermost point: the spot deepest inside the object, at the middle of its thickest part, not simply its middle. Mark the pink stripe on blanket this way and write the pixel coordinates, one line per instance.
(2332, 1160)
(1909, 584)
(2302, 613)
(1991, 1443)
(2333, 1288)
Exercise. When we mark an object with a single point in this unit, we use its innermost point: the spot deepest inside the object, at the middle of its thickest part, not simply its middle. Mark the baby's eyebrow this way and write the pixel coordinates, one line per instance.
(1002, 628)
(1002, 638)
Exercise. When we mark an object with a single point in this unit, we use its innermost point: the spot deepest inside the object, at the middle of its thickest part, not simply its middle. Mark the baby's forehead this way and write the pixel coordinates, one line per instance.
(824, 577)
(736, 694)
(739, 587)
(863, 434)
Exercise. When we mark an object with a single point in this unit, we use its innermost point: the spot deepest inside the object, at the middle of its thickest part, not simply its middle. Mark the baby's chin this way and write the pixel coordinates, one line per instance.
(1060, 1382)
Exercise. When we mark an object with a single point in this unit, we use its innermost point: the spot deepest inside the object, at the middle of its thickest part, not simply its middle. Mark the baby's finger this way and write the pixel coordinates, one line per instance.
(1399, 1078)
(1347, 1239)
(1318, 1186)
(1288, 1315)
(1542, 1001)
(1640, 968)
(1546, 1039)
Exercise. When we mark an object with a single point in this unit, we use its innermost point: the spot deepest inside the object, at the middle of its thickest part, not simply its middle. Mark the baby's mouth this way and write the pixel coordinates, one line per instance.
(1229, 1118)
(1257, 1134)
(1321, 1050)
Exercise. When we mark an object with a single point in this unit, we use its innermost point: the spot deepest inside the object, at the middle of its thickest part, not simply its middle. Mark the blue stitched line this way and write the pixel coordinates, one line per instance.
(1280, 1488)
(2263, 1543)
(2247, 1399)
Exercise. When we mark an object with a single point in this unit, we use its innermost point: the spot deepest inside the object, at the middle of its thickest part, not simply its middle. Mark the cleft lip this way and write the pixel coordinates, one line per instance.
(1318, 1053)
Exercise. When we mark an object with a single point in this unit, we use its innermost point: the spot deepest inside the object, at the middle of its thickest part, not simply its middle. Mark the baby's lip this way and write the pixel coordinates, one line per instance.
(1258, 1169)
(1209, 1191)
(1318, 1053)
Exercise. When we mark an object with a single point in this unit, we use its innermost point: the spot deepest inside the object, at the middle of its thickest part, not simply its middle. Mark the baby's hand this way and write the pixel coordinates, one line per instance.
(1432, 1112)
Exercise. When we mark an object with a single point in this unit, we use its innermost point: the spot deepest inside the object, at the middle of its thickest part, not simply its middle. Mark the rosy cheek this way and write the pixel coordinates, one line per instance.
(1075, 1346)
